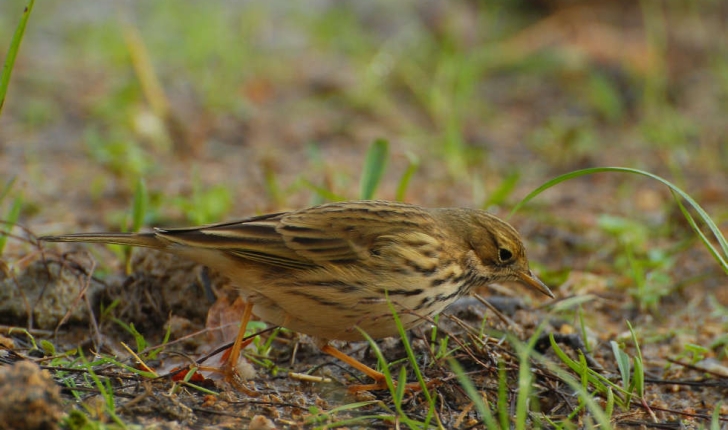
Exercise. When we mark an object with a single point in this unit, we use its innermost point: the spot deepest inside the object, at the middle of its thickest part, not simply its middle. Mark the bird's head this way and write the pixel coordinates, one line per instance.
(496, 251)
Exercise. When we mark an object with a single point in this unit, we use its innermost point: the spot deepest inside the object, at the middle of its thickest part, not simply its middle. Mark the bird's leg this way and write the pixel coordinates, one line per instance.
(232, 360)
(379, 377)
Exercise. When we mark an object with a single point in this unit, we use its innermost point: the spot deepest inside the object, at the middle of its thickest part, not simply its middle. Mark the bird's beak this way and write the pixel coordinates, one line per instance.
(532, 281)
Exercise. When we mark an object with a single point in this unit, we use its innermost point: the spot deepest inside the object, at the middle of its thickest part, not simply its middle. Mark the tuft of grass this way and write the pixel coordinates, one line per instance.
(601, 385)
(604, 97)
(633, 382)
(206, 204)
(586, 384)
(564, 138)
(631, 373)
(262, 347)
(649, 268)
(106, 391)
(397, 388)
(117, 151)
(328, 419)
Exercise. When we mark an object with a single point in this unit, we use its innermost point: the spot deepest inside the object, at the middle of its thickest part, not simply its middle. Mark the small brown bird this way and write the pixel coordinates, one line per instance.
(329, 269)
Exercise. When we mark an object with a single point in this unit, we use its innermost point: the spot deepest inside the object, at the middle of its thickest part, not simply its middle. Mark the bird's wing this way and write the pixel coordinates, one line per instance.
(252, 238)
(351, 231)
(327, 234)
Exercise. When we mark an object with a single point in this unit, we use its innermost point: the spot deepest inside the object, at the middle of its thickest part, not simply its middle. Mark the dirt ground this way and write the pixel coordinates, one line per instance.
(231, 110)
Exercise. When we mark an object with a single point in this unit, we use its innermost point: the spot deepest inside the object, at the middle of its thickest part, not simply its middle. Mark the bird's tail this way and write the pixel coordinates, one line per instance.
(147, 240)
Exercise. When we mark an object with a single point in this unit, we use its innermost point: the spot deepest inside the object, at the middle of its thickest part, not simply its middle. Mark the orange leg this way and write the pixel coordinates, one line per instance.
(379, 377)
(232, 360)
(353, 362)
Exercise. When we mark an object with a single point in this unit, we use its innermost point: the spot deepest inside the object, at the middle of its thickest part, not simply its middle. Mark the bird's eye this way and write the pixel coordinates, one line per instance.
(504, 255)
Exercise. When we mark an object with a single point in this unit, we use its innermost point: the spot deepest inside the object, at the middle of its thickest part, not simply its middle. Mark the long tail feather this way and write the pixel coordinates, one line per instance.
(147, 240)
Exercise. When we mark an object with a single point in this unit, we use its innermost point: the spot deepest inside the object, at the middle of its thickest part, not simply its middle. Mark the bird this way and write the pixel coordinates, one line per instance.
(332, 271)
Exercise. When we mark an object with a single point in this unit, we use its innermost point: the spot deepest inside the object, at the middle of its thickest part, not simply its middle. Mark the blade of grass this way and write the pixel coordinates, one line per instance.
(609, 408)
(500, 194)
(141, 202)
(11, 219)
(715, 418)
(414, 164)
(105, 390)
(673, 188)
(324, 193)
(380, 358)
(701, 235)
(525, 380)
(394, 389)
(148, 79)
(597, 412)
(480, 405)
(625, 369)
(6, 189)
(415, 366)
(13, 53)
(599, 382)
(374, 165)
(503, 415)
(639, 373)
(319, 417)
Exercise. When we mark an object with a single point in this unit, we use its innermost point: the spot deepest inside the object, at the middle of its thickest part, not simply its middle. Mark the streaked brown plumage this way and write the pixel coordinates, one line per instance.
(327, 269)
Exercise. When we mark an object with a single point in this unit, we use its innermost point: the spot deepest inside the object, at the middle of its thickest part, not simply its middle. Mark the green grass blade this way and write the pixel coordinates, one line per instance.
(503, 414)
(410, 353)
(609, 408)
(625, 369)
(11, 219)
(701, 235)
(373, 170)
(525, 380)
(401, 385)
(599, 382)
(715, 423)
(414, 164)
(6, 189)
(141, 342)
(589, 402)
(322, 192)
(141, 202)
(676, 191)
(13, 53)
(472, 392)
(639, 372)
(413, 361)
(382, 361)
(500, 194)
